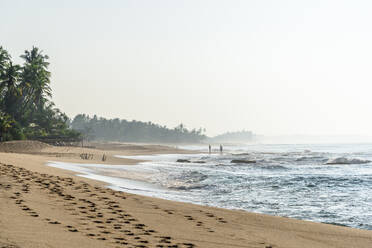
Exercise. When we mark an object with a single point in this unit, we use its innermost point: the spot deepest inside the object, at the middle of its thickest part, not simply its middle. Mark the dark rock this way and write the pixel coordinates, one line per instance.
(183, 161)
(241, 154)
(242, 161)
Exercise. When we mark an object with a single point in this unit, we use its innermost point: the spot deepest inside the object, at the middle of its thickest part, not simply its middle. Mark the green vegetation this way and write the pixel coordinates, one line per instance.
(133, 131)
(27, 112)
(26, 109)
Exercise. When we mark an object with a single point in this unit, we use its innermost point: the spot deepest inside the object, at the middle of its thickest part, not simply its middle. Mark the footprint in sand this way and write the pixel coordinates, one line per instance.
(34, 214)
(189, 217)
(54, 222)
(169, 211)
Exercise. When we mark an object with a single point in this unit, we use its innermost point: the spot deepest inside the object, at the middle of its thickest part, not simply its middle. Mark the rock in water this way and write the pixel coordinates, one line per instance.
(183, 161)
(347, 161)
(242, 161)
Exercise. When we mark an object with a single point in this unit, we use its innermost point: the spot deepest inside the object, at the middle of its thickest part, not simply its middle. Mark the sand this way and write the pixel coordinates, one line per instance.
(41, 206)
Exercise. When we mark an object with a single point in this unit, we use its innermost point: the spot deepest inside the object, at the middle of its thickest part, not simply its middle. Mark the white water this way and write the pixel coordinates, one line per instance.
(286, 180)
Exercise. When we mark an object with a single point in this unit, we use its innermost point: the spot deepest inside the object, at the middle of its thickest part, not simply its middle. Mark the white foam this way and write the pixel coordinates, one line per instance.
(162, 157)
(294, 192)
(98, 171)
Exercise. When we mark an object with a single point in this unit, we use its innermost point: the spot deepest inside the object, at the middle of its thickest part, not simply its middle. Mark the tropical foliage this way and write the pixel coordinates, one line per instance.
(26, 109)
(27, 112)
(133, 131)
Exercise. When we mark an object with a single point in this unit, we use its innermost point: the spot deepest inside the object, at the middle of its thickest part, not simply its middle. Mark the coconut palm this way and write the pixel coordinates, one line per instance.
(4, 62)
(35, 80)
(26, 109)
(4, 59)
(11, 93)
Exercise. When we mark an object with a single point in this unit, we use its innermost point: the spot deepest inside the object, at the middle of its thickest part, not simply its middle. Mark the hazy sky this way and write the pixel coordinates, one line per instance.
(273, 67)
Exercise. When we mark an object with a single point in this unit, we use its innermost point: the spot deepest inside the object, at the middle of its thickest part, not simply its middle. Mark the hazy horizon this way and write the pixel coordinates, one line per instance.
(275, 68)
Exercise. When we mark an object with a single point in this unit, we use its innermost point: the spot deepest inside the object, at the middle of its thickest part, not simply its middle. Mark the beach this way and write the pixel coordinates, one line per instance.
(43, 206)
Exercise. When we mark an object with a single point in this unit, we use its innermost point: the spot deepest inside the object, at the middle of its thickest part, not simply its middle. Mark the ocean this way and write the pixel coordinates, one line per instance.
(328, 183)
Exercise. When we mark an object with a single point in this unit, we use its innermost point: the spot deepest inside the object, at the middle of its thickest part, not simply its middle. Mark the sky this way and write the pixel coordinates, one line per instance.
(284, 67)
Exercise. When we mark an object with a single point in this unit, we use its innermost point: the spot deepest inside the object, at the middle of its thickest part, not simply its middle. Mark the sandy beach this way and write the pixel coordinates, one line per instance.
(41, 206)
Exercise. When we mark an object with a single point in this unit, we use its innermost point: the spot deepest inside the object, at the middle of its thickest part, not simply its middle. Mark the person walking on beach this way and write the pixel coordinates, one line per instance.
(221, 149)
(210, 149)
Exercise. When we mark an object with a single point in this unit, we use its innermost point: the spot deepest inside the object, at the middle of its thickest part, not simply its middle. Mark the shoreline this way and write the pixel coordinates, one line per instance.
(184, 224)
(142, 186)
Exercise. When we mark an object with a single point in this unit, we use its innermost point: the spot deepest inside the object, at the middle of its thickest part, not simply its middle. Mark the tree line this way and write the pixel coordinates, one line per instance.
(26, 109)
(95, 128)
(28, 112)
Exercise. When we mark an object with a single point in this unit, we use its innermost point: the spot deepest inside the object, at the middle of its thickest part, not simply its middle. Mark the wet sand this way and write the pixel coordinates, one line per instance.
(42, 206)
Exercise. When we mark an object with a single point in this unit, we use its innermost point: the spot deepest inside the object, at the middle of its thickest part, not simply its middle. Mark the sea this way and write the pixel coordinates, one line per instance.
(328, 183)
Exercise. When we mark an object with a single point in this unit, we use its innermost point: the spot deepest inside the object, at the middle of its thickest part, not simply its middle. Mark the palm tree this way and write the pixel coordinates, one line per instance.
(35, 79)
(4, 63)
(5, 124)
(4, 59)
(11, 93)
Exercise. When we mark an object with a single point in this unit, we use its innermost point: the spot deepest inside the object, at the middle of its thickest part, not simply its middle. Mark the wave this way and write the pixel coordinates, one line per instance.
(187, 180)
(274, 167)
(310, 158)
(192, 177)
(241, 154)
(343, 160)
(186, 186)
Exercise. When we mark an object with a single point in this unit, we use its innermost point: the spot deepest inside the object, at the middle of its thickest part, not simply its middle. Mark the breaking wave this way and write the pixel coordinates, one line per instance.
(322, 183)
